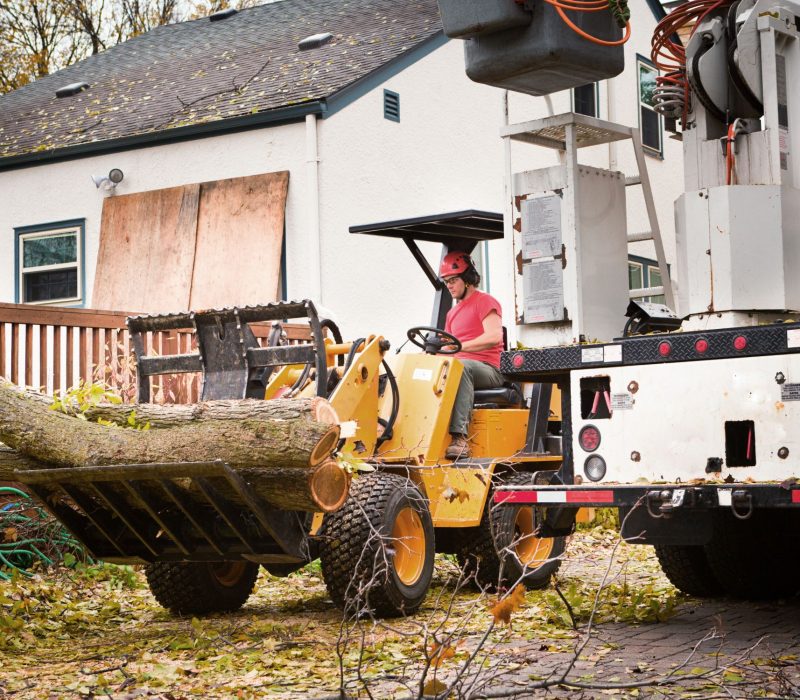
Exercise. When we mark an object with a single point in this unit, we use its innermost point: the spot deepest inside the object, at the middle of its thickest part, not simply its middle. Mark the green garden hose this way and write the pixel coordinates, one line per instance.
(29, 534)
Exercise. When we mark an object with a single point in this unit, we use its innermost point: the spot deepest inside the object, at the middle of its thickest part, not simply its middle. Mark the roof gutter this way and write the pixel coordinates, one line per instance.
(158, 138)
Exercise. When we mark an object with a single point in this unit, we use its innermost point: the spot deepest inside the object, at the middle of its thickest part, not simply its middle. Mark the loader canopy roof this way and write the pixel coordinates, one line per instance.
(459, 230)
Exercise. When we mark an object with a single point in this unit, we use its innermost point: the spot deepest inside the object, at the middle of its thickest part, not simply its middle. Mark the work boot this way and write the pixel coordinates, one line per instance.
(458, 449)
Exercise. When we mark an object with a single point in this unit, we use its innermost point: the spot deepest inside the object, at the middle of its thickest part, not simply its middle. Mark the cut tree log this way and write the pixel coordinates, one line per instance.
(282, 448)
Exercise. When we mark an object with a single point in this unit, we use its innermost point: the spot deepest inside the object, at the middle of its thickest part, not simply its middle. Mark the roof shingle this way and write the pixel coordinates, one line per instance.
(201, 71)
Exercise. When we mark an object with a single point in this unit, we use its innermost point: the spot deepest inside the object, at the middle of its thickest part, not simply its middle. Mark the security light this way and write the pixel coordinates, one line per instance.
(110, 181)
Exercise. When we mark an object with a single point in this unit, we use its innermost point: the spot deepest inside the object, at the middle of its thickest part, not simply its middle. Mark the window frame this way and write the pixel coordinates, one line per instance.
(646, 266)
(642, 62)
(596, 87)
(56, 228)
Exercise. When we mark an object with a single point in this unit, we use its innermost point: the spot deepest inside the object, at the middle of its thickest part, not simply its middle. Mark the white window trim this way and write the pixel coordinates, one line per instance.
(637, 264)
(48, 233)
(641, 63)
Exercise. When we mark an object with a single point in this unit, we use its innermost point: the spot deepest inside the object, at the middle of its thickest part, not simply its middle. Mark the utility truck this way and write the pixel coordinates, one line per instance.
(683, 415)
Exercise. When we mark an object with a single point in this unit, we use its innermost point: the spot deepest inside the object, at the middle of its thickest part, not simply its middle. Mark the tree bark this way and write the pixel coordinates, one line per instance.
(282, 448)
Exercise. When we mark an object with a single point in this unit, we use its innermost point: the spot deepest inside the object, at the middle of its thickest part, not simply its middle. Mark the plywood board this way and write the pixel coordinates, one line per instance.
(147, 248)
(239, 238)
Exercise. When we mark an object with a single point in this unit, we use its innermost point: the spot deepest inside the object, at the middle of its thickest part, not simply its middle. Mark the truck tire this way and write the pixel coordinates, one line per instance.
(753, 559)
(503, 550)
(377, 550)
(199, 588)
(687, 568)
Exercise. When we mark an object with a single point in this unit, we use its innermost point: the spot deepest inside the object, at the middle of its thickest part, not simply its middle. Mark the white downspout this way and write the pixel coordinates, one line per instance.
(313, 257)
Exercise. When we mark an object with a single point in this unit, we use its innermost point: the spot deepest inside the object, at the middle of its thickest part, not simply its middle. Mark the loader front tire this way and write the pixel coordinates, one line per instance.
(200, 588)
(504, 550)
(687, 568)
(377, 550)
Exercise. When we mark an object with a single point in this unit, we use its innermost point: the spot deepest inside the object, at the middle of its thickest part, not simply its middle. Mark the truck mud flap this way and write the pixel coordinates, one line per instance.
(189, 511)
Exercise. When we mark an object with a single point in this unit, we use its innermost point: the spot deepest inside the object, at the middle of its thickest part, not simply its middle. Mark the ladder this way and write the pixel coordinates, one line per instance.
(569, 132)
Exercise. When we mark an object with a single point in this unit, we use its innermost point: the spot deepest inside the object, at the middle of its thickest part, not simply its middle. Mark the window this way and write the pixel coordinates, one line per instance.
(654, 280)
(635, 275)
(391, 106)
(585, 100)
(49, 263)
(643, 273)
(649, 120)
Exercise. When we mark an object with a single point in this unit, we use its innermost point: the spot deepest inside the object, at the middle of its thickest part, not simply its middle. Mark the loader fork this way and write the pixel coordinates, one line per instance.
(232, 363)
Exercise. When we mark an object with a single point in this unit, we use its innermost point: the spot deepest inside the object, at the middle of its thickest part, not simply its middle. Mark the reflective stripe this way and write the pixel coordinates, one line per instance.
(561, 496)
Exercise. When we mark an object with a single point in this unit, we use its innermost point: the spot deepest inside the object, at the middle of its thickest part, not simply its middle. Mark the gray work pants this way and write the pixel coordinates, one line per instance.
(477, 375)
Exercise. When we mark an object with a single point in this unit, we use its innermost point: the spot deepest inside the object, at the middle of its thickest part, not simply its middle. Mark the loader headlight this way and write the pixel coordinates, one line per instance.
(594, 467)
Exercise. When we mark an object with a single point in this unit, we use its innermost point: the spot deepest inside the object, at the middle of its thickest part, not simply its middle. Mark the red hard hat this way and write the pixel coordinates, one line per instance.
(454, 263)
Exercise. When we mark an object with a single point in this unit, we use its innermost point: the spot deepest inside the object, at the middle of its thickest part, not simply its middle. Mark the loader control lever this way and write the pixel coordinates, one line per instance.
(434, 341)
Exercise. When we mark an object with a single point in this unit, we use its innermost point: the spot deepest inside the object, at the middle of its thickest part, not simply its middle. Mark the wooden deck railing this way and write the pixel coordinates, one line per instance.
(52, 348)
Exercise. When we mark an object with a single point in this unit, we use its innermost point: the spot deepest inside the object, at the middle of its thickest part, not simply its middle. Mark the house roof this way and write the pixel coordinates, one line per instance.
(240, 70)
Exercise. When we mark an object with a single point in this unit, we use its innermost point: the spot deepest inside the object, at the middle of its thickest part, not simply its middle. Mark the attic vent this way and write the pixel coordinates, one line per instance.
(314, 41)
(391, 105)
(71, 89)
(222, 14)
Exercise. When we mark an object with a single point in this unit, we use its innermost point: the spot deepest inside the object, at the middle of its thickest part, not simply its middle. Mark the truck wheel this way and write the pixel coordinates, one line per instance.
(687, 568)
(753, 558)
(504, 550)
(377, 549)
(198, 588)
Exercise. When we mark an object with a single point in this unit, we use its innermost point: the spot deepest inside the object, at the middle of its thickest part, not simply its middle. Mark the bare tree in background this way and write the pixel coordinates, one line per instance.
(35, 37)
(38, 37)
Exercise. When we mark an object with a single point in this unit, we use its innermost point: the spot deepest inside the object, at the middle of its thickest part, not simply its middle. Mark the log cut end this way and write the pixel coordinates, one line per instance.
(329, 485)
(324, 447)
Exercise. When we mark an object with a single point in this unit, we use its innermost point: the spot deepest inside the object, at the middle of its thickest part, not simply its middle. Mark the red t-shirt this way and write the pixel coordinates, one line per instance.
(465, 322)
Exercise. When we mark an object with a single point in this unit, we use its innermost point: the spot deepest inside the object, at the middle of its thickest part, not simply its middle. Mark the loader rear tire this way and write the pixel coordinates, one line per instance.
(377, 551)
(504, 551)
(687, 568)
(200, 588)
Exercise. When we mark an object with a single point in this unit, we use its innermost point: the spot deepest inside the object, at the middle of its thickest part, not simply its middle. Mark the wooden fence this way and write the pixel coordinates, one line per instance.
(52, 348)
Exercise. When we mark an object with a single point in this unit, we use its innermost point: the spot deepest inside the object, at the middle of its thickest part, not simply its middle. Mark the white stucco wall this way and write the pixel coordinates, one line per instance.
(444, 155)
(61, 191)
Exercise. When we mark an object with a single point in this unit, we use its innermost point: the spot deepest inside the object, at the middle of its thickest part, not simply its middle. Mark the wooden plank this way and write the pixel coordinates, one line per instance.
(28, 359)
(43, 358)
(83, 352)
(15, 353)
(147, 248)
(70, 366)
(239, 238)
(61, 316)
(56, 358)
(94, 364)
(2, 349)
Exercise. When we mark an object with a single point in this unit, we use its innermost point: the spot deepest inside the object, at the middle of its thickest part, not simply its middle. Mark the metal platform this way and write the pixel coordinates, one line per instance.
(551, 132)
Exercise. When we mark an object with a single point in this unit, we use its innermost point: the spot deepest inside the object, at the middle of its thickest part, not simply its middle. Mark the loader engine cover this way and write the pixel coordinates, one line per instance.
(546, 56)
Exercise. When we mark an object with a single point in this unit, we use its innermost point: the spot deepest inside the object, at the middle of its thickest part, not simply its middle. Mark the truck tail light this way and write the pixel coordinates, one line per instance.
(589, 438)
(594, 467)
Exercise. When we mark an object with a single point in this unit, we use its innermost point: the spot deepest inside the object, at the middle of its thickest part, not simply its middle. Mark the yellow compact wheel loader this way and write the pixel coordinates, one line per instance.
(406, 501)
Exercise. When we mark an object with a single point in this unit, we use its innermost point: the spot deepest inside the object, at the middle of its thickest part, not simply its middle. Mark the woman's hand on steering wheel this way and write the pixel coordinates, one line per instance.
(434, 341)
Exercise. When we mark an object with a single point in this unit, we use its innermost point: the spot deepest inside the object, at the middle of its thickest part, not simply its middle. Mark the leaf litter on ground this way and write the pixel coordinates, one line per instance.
(95, 630)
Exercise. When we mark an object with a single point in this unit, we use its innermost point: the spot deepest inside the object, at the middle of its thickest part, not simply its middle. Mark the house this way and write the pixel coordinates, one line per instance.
(223, 160)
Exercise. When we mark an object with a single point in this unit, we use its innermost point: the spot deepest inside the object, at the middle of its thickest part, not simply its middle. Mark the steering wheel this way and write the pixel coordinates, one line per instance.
(433, 340)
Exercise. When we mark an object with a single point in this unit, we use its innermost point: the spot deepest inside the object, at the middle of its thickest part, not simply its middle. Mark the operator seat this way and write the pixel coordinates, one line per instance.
(507, 396)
